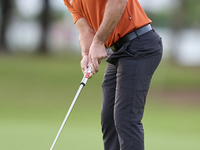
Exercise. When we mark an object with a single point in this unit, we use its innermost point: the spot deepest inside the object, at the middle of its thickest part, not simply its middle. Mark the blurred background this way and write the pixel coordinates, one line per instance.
(40, 74)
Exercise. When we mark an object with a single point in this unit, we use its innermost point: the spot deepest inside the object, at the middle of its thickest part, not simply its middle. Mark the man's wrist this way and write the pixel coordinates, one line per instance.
(99, 39)
(83, 55)
(98, 42)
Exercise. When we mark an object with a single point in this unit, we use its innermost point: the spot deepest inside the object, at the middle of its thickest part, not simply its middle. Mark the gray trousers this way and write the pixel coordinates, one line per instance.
(125, 86)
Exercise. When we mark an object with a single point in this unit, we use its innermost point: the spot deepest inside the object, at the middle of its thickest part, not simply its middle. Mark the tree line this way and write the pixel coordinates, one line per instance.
(6, 7)
(186, 15)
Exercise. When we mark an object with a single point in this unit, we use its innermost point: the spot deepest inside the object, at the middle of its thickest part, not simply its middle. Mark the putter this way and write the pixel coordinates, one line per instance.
(83, 83)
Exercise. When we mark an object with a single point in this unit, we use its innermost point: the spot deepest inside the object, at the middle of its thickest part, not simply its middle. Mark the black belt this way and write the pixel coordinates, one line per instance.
(130, 36)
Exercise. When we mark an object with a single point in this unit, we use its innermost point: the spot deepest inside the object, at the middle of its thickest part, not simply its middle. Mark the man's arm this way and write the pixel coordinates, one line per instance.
(86, 35)
(113, 12)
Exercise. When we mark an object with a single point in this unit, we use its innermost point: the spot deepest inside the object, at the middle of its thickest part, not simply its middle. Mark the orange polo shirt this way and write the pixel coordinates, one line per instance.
(93, 10)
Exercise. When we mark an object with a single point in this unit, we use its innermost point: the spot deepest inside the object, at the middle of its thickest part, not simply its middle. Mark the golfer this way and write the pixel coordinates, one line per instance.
(120, 31)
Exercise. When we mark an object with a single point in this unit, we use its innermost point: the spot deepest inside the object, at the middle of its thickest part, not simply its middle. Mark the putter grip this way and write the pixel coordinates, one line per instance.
(86, 76)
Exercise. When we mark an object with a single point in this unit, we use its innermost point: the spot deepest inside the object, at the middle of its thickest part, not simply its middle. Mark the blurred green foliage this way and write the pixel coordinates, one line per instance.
(185, 14)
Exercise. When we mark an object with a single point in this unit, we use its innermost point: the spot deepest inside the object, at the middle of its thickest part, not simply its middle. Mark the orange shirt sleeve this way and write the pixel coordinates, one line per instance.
(74, 13)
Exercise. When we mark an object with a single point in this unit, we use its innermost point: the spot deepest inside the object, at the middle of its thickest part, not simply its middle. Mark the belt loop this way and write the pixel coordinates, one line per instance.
(152, 27)
(136, 33)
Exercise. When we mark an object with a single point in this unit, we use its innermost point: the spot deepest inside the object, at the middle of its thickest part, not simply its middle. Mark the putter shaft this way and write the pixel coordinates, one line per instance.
(67, 115)
(83, 83)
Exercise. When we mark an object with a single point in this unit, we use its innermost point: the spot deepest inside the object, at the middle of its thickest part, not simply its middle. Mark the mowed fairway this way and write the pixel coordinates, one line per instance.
(36, 92)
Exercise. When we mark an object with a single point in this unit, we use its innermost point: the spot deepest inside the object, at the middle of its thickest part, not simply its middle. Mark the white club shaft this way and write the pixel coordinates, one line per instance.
(67, 115)
(83, 82)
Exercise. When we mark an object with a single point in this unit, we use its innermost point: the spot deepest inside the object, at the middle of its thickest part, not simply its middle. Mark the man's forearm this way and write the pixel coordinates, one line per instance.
(113, 12)
(86, 35)
(85, 40)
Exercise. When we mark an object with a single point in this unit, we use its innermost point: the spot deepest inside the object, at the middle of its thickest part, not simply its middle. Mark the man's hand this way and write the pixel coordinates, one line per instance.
(111, 18)
(93, 43)
(84, 63)
(86, 34)
(97, 53)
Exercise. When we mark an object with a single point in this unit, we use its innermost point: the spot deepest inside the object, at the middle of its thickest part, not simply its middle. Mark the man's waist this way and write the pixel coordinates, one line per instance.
(130, 36)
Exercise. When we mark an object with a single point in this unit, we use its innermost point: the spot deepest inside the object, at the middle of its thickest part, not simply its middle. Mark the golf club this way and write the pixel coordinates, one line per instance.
(83, 83)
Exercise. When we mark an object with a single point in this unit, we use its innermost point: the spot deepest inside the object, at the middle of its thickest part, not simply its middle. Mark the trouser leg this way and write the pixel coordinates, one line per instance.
(132, 84)
(125, 88)
(110, 136)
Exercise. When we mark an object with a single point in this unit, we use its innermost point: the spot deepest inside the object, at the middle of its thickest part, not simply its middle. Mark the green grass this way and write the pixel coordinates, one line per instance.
(36, 92)
(171, 127)
(169, 75)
